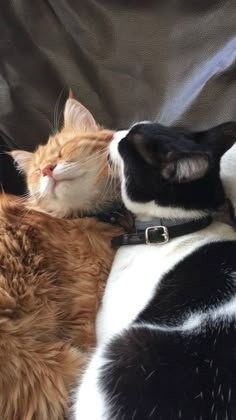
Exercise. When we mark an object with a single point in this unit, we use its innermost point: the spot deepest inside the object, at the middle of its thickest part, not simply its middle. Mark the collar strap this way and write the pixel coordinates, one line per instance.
(161, 233)
(109, 215)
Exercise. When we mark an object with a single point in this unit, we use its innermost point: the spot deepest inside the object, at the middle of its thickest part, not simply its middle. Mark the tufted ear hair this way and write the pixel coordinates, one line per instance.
(21, 158)
(77, 117)
(185, 167)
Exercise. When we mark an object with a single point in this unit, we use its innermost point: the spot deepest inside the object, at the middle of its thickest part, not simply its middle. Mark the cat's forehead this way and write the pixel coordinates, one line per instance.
(69, 144)
(150, 128)
(53, 145)
(162, 137)
(49, 149)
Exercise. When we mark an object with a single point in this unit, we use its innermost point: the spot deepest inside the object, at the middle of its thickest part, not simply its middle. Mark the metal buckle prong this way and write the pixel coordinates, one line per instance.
(164, 234)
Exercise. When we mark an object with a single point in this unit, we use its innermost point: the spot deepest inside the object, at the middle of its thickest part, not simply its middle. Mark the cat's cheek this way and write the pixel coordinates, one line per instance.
(46, 185)
(113, 149)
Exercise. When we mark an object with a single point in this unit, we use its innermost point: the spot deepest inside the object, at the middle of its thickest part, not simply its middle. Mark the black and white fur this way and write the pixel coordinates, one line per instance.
(227, 172)
(167, 326)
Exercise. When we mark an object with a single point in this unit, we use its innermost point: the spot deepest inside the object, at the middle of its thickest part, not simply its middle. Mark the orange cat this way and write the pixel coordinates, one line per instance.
(53, 271)
(69, 175)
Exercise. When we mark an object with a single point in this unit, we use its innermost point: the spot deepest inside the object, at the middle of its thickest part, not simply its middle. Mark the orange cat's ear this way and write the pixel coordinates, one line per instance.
(77, 117)
(22, 159)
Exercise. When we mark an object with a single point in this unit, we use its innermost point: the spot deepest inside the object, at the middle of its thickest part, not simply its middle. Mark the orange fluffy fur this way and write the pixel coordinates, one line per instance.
(52, 275)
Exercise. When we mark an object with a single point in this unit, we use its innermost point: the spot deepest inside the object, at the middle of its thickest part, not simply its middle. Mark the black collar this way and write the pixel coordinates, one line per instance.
(105, 217)
(109, 215)
(160, 231)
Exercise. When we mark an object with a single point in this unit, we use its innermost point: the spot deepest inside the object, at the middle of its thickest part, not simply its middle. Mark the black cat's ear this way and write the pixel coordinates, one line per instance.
(219, 139)
(143, 150)
(185, 167)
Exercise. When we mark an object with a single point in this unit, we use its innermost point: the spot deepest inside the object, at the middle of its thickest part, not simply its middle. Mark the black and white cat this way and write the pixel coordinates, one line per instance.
(167, 325)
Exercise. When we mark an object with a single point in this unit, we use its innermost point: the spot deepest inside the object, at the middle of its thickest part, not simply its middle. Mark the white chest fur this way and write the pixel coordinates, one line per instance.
(137, 272)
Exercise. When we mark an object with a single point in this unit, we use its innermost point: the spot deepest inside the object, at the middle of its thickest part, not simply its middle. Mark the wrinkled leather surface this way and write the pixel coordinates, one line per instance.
(171, 60)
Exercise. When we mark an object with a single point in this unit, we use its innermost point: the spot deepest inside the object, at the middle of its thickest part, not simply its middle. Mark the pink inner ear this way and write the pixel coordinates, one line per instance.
(77, 117)
(142, 149)
(22, 158)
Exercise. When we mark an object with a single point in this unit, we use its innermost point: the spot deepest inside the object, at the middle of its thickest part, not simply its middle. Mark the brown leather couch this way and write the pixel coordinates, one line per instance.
(171, 60)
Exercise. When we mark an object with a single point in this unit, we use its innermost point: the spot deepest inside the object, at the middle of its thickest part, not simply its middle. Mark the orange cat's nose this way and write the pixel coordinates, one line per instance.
(48, 170)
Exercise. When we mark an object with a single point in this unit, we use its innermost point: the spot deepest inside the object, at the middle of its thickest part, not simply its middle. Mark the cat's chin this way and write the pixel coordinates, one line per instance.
(56, 188)
(63, 206)
(53, 209)
(70, 198)
(60, 186)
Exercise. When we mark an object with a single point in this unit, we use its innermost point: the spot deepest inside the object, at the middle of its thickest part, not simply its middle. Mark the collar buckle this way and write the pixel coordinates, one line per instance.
(164, 235)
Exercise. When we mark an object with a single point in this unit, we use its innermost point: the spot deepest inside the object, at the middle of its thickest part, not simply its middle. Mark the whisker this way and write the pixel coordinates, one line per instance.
(22, 199)
(59, 119)
(5, 153)
(105, 189)
(103, 166)
(2, 189)
(109, 187)
(95, 155)
(43, 117)
(6, 147)
(81, 163)
(116, 181)
(55, 116)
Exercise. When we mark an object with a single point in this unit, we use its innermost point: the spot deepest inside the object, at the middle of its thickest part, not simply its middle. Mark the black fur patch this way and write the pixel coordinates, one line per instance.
(174, 375)
(168, 376)
(206, 278)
